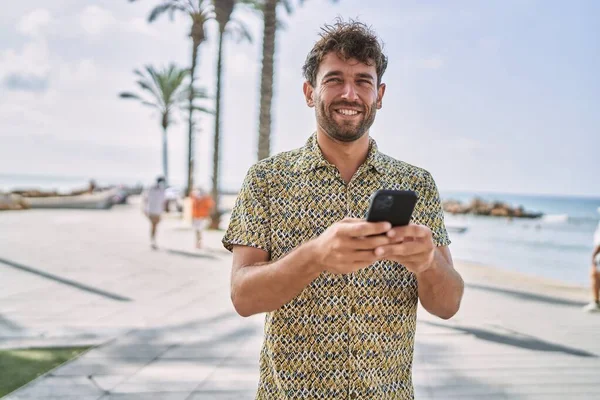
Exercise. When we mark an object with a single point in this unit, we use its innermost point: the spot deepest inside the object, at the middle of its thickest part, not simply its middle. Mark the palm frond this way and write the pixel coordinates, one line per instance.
(157, 11)
(204, 110)
(239, 31)
(165, 86)
(150, 104)
(201, 109)
(129, 95)
(199, 93)
(145, 85)
(252, 5)
(171, 6)
(280, 25)
(287, 5)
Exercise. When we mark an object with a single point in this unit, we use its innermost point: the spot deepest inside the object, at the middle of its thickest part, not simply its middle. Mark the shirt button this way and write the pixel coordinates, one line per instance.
(353, 395)
(354, 353)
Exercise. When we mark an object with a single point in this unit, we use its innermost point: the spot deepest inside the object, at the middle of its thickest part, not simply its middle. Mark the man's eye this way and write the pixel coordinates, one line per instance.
(364, 81)
(334, 80)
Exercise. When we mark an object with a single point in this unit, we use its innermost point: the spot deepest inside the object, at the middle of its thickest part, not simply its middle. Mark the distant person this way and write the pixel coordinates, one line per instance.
(92, 186)
(594, 306)
(202, 207)
(154, 204)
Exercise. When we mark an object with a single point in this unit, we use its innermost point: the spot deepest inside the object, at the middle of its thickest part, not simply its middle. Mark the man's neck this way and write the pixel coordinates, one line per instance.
(346, 156)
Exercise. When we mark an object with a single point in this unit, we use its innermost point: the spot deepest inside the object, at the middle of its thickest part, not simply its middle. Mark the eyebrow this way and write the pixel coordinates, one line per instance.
(332, 73)
(362, 75)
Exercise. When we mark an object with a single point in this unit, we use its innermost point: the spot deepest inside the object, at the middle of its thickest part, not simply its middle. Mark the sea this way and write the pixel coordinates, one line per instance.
(557, 246)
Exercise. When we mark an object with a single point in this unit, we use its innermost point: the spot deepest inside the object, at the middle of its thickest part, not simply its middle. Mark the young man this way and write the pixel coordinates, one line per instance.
(154, 204)
(340, 293)
(594, 306)
(202, 206)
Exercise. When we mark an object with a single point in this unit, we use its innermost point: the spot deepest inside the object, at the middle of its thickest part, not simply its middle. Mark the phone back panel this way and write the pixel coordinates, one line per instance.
(394, 206)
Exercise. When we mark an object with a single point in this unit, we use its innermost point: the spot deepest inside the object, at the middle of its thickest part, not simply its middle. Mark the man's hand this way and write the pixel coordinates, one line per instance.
(349, 245)
(411, 246)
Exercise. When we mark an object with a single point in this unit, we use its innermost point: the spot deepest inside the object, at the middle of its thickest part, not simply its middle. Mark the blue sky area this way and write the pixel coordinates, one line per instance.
(496, 96)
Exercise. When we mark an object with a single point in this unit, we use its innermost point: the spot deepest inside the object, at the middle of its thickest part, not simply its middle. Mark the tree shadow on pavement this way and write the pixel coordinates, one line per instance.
(518, 340)
(528, 296)
(64, 281)
(190, 254)
(9, 329)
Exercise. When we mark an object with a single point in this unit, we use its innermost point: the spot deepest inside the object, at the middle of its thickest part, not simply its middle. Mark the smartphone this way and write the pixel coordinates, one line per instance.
(393, 206)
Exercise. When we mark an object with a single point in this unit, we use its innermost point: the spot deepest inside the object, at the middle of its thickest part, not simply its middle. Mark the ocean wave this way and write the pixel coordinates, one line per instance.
(568, 219)
(555, 218)
(554, 245)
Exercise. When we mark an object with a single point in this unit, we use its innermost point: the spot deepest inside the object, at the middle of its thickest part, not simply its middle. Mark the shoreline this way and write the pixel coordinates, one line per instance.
(498, 276)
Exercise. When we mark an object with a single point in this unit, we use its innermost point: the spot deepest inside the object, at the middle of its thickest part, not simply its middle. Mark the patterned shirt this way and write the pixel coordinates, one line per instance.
(344, 336)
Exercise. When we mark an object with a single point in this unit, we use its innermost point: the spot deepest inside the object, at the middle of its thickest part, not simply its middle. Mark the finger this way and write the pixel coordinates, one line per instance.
(350, 255)
(402, 249)
(363, 256)
(364, 228)
(370, 242)
(410, 230)
(351, 219)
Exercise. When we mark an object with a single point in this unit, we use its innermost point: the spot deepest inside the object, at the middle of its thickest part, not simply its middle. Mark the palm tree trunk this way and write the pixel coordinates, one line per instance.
(190, 180)
(266, 82)
(216, 215)
(165, 156)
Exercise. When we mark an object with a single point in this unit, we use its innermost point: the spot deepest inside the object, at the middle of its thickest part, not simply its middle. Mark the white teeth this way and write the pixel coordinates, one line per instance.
(347, 112)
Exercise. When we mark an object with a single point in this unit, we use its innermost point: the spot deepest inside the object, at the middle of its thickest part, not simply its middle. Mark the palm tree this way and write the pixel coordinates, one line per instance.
(266, 76)
(223, 11)
(270, 24)
(200, 11)
(164, 90)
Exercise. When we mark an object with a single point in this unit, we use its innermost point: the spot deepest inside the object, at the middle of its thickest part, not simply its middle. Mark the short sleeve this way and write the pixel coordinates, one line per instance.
(249, 224)
(428, 210)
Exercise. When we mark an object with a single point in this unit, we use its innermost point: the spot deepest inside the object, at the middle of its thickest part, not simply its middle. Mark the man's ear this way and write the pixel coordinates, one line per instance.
(380, 93)
(308, 93)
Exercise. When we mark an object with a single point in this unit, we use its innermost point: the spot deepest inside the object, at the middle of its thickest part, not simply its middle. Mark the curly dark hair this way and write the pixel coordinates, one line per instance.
(350, 39)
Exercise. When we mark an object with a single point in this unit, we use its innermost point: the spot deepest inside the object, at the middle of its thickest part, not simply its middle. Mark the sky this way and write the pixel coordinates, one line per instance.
(496, 96)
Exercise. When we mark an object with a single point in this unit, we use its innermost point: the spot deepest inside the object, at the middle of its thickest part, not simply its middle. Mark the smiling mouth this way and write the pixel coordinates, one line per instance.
(347, 112)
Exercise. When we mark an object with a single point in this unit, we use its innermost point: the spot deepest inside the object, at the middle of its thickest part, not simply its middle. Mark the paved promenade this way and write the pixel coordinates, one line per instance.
(162, 325)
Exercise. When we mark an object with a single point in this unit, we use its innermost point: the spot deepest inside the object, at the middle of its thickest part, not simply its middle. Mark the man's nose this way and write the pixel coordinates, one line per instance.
(349, 92)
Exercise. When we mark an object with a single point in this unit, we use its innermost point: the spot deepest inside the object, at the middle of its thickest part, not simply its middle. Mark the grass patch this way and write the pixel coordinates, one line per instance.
(21, 366)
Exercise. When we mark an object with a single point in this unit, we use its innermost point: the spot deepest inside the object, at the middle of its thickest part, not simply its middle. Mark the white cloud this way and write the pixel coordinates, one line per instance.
(20, 113)
(140, 25)
(76, 73)
(95, 20)
(31, 64)
(35, 22)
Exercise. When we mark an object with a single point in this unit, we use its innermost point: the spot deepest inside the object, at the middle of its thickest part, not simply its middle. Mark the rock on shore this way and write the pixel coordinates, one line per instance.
(10, 201)
(478, 206)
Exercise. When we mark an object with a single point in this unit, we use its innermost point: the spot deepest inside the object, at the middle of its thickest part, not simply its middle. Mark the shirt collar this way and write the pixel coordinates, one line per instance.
(312, 157)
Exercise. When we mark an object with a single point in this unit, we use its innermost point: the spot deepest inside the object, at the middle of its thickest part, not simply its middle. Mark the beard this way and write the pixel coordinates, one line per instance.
(345, 131)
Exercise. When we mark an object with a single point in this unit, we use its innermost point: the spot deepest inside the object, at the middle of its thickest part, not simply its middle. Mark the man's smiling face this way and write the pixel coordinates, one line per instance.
(346, 97)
